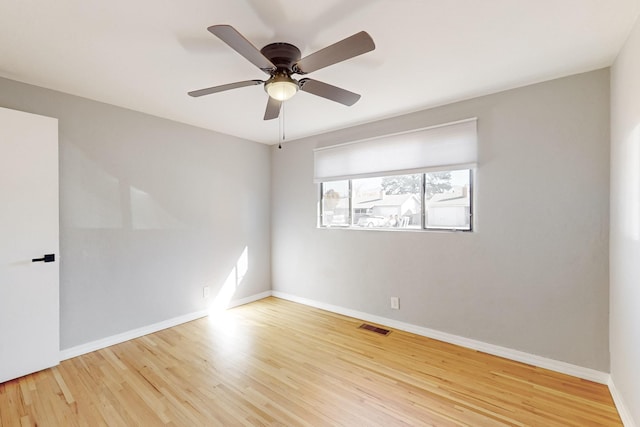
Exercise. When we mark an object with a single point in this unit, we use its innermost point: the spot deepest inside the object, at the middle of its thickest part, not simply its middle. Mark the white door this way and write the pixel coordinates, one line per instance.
(29, 230)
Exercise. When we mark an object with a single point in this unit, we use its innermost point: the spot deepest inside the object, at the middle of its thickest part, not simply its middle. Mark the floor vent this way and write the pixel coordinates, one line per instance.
(375, 329)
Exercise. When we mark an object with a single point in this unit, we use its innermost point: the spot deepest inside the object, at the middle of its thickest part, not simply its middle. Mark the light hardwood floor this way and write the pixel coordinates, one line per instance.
(274, 362)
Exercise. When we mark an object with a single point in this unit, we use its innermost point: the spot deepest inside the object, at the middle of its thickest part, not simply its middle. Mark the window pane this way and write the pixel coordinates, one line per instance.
(448, 200)
(388, 202)
(335, 203)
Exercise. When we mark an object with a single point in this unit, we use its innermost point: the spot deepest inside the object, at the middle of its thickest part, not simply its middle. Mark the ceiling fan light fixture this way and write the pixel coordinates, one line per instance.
(281, 87)
(280, 60)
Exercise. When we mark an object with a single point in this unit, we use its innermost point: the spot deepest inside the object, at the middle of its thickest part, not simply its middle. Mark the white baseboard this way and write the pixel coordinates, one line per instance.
(539, 361)
(145, 330)
(129, 335)
(249, 299)
(623, 410)
(519, 356)
(531, 359)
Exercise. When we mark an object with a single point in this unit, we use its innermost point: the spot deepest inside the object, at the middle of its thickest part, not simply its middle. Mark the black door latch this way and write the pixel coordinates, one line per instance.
(47, 258)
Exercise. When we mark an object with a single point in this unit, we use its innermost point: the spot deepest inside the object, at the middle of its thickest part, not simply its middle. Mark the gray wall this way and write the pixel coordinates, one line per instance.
(534, 274)
(625, 224)
(151, 211)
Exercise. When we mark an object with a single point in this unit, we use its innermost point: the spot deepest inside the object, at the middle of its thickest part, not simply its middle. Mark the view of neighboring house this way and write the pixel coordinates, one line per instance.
(379, 210)
(451, 209)
(448, 210)
(398, 210)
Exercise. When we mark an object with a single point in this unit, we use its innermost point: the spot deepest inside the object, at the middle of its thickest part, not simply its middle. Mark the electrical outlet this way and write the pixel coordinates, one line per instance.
(395, 303)
(205, 292)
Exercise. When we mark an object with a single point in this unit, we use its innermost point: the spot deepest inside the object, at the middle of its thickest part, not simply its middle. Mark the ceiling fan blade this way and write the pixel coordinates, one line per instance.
(273, 109)
(328, 91)
(350, 47)
(215, 89)
(237, 42)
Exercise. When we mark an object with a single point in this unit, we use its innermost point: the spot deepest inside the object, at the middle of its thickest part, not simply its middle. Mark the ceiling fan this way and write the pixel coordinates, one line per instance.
(281, 60)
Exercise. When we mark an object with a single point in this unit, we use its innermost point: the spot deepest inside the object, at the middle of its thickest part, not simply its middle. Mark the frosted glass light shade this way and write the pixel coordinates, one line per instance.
(281, 88)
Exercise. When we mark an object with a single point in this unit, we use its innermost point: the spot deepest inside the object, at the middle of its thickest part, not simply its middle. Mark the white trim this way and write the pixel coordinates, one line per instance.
(531, 359)
(623, 410)
(539, 361)
(249, 299)
(129, 335)
(519, 356)
(81, 349)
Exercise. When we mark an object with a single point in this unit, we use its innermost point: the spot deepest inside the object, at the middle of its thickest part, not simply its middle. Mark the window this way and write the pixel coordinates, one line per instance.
(421, 179)
(335, 204)
(389, 201)
(398, 202)
(447, 200)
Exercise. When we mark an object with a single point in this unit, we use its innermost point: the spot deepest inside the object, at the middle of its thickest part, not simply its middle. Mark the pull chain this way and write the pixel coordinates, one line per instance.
(281, 130)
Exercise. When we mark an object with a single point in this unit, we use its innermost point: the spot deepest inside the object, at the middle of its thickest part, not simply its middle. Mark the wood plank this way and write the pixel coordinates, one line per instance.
(274, 362)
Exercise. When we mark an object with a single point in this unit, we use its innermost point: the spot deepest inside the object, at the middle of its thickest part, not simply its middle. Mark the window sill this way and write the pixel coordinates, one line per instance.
(401, 230)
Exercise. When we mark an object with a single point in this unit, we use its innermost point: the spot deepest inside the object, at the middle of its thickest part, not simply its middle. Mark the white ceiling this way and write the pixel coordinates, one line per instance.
(147, 54)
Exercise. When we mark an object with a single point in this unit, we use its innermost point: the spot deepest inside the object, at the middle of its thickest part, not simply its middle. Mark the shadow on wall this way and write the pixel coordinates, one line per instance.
(109, 202)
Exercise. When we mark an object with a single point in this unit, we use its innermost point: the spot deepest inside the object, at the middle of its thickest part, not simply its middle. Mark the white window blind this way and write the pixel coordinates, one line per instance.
(443, 147)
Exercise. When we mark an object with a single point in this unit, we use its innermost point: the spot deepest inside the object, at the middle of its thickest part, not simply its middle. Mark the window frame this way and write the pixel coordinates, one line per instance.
(423, 215)
(321, 206)
(471, 203)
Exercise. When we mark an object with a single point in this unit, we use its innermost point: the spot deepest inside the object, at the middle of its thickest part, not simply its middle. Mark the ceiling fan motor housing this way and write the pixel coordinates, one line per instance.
(282, 55)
